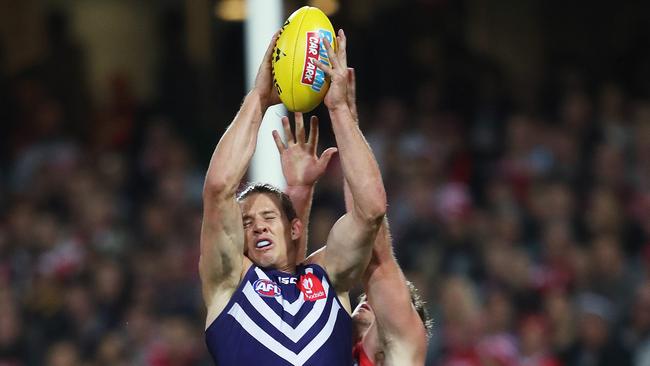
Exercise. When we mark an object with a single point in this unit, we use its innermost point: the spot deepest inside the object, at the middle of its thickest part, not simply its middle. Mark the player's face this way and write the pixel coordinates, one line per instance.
(267, 232)
(363, 317)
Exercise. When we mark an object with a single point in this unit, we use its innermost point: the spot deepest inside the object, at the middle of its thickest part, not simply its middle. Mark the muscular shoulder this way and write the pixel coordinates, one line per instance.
(218, 297)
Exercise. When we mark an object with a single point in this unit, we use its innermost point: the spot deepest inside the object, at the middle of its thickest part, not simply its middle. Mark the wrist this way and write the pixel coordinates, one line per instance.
(301, 187)
(300, 190)
(259, 99)
(338, 107)
(341, 112)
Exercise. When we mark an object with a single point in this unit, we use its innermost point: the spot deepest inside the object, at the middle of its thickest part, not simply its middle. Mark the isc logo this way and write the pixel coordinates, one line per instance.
(287, 280)
(267, 288)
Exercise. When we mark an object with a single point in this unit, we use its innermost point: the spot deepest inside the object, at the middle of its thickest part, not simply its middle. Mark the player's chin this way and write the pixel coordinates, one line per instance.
(361, 320)
(263, 259)
(362, 315)
(361, 309)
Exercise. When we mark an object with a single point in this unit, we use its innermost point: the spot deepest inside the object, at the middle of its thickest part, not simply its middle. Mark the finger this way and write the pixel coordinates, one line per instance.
(325, 158)
(331, 54)
(352, 93)
(278, 141)
(269, 50)
(325, 67)
(313, 134)
(342, 48)
(340, 54)
(300, 128)
(265, 66)
(287, 130)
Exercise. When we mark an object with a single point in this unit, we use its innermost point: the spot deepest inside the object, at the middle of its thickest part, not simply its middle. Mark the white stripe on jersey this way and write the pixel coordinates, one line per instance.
(305, 325)
(276, 347)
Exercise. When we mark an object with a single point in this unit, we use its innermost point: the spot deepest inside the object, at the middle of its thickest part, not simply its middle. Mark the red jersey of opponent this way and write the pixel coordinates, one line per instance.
(360, 357)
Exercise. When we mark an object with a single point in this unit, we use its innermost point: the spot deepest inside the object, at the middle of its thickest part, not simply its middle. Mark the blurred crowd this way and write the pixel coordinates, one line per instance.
(525, 226)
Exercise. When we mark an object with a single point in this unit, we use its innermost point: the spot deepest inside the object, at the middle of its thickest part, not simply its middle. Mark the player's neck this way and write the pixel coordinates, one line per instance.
(289, 268)
(290, 265)
(372, 345)
(287, 264)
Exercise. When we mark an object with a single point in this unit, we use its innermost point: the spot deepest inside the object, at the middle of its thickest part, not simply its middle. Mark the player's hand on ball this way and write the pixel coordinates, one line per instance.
(264, 79)
(301, 165)
(337, 94)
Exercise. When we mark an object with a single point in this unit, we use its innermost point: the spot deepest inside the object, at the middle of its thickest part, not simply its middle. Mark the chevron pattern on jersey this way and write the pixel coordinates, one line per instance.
(270, 321)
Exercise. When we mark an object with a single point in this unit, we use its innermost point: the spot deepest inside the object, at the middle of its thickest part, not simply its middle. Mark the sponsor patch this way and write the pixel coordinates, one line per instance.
(311, 287)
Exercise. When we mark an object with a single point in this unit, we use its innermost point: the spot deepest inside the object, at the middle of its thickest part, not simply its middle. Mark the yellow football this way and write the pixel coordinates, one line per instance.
(300, 84)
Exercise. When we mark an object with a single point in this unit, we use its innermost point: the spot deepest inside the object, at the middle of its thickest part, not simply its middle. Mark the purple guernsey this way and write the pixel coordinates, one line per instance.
(279, 318)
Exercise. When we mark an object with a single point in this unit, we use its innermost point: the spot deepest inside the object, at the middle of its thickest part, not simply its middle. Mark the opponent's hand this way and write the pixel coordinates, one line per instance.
(301, 165)
(264, 79)
(337, 94)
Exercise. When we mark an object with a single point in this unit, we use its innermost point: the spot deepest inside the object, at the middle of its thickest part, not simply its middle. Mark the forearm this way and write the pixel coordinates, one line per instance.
(236, 147)
(222, 237)
(359, 166)
(351, 239)
(351, 253)
(301, 197)
(347, 196)
(382, 249)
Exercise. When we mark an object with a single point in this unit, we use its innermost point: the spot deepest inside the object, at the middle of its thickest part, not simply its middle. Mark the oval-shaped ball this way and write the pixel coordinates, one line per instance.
(300, 84)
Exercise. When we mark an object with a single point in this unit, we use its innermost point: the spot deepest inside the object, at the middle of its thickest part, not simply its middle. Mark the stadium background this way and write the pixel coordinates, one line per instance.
(513, 137)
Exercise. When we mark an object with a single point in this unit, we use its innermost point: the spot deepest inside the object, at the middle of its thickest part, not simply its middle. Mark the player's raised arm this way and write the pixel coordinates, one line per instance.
(302, 168)
(350, 241)
(401, 331)
(299, 200)
(400, 327)
(222, 239)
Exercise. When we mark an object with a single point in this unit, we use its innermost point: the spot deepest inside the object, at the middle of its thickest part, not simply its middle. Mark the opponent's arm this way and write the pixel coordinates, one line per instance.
(350, 241)
(302, 168)
(398, 323)
(222, 238)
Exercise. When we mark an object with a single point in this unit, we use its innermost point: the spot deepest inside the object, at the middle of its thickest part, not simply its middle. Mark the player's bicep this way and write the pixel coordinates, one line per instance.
(222, 240)
(348, 250)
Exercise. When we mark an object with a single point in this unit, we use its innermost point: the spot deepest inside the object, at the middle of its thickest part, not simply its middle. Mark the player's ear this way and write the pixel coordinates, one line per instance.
(296, 228)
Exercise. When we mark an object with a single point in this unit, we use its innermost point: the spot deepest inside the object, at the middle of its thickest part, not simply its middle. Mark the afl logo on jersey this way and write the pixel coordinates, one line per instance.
(267, 288)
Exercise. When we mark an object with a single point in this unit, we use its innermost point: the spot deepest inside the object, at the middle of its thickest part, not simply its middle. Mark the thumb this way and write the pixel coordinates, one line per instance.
(326, 156)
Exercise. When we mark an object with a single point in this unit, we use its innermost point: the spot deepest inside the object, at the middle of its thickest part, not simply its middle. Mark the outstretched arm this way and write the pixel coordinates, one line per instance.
(351, 97)
(222, 238)
(399, 324)
(302, 168)
(350, 241)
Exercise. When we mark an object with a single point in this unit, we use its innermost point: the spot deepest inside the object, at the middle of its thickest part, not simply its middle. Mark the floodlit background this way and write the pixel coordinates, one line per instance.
(513, 137)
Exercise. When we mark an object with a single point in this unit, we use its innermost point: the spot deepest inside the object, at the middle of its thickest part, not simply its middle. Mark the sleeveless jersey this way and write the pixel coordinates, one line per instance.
(360, 357)
(278, 318)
